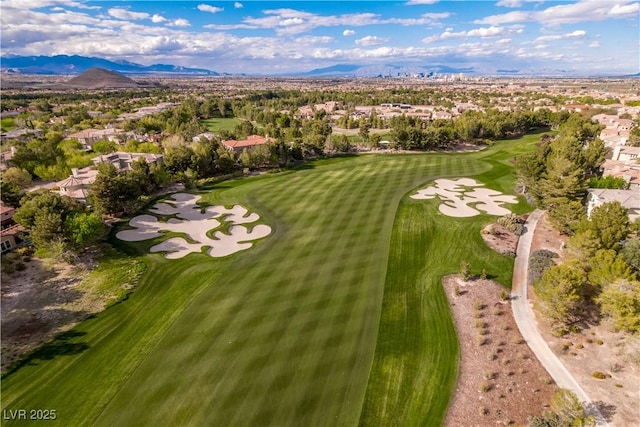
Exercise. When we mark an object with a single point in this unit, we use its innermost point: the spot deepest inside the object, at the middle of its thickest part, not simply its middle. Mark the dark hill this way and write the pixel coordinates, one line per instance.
(98, 78)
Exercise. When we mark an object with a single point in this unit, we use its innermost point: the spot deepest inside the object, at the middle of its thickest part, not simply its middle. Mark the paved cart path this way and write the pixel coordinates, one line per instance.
(525, 319)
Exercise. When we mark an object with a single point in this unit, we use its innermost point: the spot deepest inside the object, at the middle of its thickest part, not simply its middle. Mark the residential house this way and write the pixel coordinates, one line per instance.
(251, 142)
(10, 232)
(77, 184)
(630, 199)
(625, 154)
(629, 171)
(21, 134)
(88, 137)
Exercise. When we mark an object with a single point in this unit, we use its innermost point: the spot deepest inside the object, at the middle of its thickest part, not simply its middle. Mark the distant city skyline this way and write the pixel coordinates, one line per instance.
(584, 37)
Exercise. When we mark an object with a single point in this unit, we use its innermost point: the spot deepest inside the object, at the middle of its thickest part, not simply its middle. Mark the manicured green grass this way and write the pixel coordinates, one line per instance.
(218, 124)
(285, 333)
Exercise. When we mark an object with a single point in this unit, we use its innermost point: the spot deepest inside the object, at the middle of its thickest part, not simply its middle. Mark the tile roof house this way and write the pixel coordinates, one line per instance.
(629, 171)
(251, 142)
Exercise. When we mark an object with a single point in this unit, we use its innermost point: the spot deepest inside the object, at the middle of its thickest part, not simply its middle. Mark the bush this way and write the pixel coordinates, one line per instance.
(484, 387)
(513, 223)
(504, 295)
(544, 253)
(483, 410)
(465, 270)
(599, 375)
(20, 266)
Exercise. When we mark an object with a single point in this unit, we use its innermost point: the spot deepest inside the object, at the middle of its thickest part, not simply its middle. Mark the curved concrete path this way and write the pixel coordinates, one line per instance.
(525, 320)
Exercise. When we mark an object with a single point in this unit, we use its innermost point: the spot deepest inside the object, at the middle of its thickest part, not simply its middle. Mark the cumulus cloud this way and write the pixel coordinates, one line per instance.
(210, 9)
(581, 11)
(482, 32)
(347, 33)
(156, 19)
(290, 21)
(180, 22)
(238, 5)
(372, 41)
(553, 37)
(126, 15)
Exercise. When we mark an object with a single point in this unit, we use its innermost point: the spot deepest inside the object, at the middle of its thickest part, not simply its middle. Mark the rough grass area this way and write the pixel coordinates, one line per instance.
(285, 333)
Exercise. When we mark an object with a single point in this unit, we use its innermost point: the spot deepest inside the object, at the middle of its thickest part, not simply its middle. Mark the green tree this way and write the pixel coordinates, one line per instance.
(104, 147)
(631, 253)
(569, 409)
(84, 229)
(560, 292)
(610, 222)
(607, 266)
(178, 158)
(620, 301)
(567, 216)
(17, 177)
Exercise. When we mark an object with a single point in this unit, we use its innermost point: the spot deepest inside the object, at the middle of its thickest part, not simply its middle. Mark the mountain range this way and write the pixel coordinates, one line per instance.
(75, 64)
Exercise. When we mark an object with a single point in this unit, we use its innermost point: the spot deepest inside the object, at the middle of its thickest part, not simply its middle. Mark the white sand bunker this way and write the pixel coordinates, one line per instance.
(195, 223)
(457, 198)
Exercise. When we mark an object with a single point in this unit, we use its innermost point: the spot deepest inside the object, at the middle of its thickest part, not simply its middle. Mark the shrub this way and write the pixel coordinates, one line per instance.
(599, 375)
(599, 342)
(478, 305)
(618, 385)
(579, 346)
(20, 266)
(497, 312)
(456, 290)
(484, 387)
(504, 295)
(465, 270)
(489, 375)
(480, 324)
(483, 410)
(544, 253)
(513, 223)
(481, 340)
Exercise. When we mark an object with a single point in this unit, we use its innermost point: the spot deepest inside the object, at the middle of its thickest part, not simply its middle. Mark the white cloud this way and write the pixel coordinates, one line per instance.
(156, 19)
(238, 5)
(372, 41)
(181, 22)
(311, 40)
(594, 43)
(419, 2)
(581, 11)
(553, 37)
(210, 9)
(291, 21)
(516, 3)
(126, 15)
(488, 32)
(347, 33)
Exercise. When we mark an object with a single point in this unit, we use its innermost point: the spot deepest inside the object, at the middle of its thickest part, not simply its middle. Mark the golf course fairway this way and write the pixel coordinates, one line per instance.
(337, 318)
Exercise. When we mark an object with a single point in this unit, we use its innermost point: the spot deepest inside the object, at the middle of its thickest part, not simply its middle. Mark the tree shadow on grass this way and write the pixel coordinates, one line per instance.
(64, 344)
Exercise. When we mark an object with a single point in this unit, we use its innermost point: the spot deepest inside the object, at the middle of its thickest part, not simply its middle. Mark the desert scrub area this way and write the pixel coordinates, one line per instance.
(500, 381)
(46, 297)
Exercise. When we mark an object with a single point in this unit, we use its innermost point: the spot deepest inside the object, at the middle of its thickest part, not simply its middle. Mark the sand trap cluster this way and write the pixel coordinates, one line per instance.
(462, 198)
(195, 223)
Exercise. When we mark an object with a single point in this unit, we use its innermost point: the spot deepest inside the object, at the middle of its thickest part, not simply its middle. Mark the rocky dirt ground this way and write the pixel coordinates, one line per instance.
(500, 380)
(40, 302)
(596, 348)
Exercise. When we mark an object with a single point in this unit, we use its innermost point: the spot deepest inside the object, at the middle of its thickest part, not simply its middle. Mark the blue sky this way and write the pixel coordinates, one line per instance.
(582, 36)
